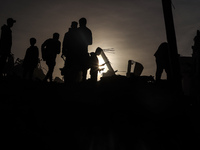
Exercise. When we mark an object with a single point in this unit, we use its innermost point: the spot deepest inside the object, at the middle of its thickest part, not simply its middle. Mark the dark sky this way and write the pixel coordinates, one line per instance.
(134, 28)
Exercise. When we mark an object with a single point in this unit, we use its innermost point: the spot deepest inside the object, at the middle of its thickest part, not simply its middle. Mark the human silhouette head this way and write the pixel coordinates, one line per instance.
(98, 51)
(56, 36)
(10, 22)
(164, 45)
(82, 22)
(198, 33)
(74, 24)
(32, 41)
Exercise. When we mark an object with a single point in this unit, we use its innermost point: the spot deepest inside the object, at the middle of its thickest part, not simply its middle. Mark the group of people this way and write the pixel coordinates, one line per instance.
(74, 50)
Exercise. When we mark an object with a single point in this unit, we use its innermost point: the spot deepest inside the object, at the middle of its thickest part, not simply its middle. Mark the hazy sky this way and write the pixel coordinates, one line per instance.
(134, 28)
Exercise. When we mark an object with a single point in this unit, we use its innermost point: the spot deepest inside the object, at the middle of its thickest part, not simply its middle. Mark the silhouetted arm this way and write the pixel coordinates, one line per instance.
(43, 49)
(37, 52)
(44, 45)
(90, 38)
(64, 45)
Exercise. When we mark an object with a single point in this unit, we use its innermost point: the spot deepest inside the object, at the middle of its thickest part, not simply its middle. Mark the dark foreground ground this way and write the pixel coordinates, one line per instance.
(117, 114)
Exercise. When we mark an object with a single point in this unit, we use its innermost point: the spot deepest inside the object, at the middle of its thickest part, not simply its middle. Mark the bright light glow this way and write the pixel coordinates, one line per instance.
(101, 61)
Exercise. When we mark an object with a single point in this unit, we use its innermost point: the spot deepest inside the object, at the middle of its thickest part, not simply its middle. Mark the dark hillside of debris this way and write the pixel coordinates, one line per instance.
(116, 113)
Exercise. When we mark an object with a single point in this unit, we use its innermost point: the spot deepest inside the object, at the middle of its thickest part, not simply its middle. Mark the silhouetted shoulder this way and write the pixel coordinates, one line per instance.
(85, 35)
(4, 27)
(162, 50)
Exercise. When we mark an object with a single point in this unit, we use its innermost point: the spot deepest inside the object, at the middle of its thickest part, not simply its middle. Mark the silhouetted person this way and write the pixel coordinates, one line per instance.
(85, 39)
(69, 47)
(197, 41)
(5, 43)
(50, 48)
(196, 53)
(70, 51)
(162, 60)
(94, 63)
(31, 59)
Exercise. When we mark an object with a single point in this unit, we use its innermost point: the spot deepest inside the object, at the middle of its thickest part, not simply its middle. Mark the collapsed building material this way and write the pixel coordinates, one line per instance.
(110, 71)
(138, 68)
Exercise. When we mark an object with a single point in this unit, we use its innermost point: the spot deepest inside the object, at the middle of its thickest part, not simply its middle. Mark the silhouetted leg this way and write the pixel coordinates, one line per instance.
(167, 70)
(47, 75)
(51, 69)
(70, 73)
(51, 64)
(3, 59)
(158, 74)
(94, 76)
(159, 71)
(31, 73)
(84, 75)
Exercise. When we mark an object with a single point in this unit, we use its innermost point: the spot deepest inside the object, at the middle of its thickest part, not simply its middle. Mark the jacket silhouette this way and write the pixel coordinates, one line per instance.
(31, 59)
(162, 60)
(50, 48)
(70, 43)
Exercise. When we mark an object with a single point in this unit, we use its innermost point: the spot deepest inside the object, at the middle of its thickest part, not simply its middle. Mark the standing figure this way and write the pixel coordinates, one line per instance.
(70, 51)
(69, 47)
(196, 54)
(50, 48)
(5, 43)
(31, 59)
(162, 60)
(85, 39)
(94, 63)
